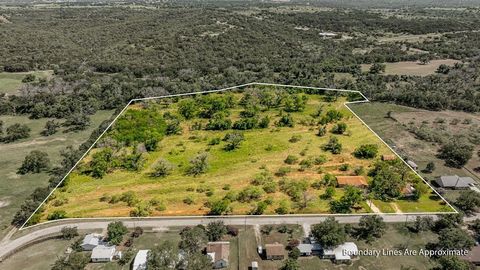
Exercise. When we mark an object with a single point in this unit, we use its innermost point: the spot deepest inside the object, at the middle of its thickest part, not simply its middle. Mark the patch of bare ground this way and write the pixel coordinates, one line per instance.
(4, 19)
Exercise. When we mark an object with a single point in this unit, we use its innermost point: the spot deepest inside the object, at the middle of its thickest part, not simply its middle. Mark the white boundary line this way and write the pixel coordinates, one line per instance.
(222, 90)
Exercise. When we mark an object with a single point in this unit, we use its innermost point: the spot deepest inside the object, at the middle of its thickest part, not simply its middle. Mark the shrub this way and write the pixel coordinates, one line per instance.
(162, 168)
(198, 164)
(295, 138)
(286, 120)
(57, 214)
(233, 140)
(344, 167)
(282, 171)
(35, 162)
(250, 193)
(339, 128)
(270, 187)
(264, 122)
(69, 232)
(366, 151)
(291, 159)
(188, 200)
(333, 145)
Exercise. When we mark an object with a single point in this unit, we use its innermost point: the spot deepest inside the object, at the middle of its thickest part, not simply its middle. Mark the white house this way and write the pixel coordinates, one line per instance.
(103, 253)
(140, 261)
(91, 241)
(342, 253)
(307, 249)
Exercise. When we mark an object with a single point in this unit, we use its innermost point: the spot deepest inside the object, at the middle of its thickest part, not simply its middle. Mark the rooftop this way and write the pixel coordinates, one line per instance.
(357, 181)
(102, 252)
(275, 249)
(218, 250)
(140, 260)
(454, 181)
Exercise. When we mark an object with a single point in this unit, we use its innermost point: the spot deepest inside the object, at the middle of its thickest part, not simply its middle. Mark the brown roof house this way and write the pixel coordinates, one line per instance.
(473, 256)
(275, 251)
(218, 252)
(356, 181)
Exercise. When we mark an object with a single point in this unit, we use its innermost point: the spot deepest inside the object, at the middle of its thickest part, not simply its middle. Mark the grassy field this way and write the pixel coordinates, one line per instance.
(262, 149)
(10, 83)
(413, 68)
(15, 188)
(395, 133)
(37, 257)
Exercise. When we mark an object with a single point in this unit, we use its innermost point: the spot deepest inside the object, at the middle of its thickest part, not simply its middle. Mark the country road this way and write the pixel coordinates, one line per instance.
(30, 235)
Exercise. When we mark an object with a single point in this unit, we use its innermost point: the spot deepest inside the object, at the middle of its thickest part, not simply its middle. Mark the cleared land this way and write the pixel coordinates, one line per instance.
(10, 83)
(15, 187)
(413, 68)
(239, 176)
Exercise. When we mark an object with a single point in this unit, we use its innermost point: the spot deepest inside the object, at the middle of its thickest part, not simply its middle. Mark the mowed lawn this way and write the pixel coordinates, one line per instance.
(16, 188)
(413, 68)
(262, 148)
(10, 83)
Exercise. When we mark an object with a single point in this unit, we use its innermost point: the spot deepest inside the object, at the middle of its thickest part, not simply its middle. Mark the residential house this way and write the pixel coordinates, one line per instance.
(343, 253)
(307, 249)
(90, 241)
(102, 253)
(408, 191)
(473, 256)
(218, 252)
(275, 251)
(356, 181)
(140, 261)
(454, 182)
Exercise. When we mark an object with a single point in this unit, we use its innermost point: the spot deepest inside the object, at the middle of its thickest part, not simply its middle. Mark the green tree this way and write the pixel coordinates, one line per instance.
(387, 184)
(193, 239)
(187, 108)
(452, 263)
(197, 261)
(215, 230)
(370, 227)
(74, 261)
(468, 202)
(290, 264)
(233, 140)
(454, 238)
(51, 128)
(35, 162)
(163, 257)
(220, 207)
(115, 232)
(57, 214)
(69, 232)
(456, 153)
(16, 132)
(329, 233)
(377, 68)
(430, 167)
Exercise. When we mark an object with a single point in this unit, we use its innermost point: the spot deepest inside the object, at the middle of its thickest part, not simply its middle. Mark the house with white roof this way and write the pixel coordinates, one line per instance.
(308, 249)
(102, 253)
(91, 241)
(140, 261)
(342, 253)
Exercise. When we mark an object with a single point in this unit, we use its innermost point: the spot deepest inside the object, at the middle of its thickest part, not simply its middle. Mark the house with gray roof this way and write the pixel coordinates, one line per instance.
(90, 241)
(103, 253)
(454, 182)
(307, 249)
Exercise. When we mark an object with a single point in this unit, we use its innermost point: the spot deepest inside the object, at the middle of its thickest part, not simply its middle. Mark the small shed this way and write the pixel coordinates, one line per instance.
(254, 266)
(307, 249)
(275, 251)
(219, 253)
(140, 261)
(356, 181)
(388, 157)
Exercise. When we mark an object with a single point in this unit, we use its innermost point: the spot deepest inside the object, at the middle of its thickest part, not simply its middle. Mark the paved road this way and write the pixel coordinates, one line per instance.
(44, 230)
